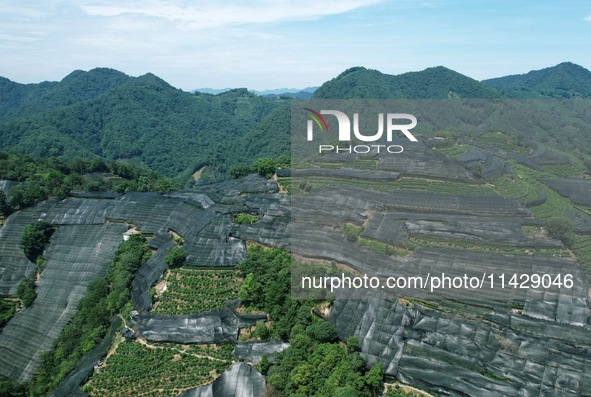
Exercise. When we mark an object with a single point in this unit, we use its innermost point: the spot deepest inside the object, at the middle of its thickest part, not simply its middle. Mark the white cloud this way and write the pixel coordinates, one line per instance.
(208, 14)
(588, 19)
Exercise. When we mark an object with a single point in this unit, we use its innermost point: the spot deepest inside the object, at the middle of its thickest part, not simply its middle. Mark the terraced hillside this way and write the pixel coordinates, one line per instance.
(473, 201)
(468, 203)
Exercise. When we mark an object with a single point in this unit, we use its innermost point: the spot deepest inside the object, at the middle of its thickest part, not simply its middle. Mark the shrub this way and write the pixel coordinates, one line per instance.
(26, 291)
(561, 228)
(244, 219)
(175, 257)
(35, 239)
(351, 232)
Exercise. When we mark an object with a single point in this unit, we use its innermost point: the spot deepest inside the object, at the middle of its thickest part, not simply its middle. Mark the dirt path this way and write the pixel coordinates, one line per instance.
(407, 389)
(151, 346)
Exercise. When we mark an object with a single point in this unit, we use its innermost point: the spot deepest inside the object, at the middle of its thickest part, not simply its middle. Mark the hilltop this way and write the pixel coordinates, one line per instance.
(565, 80)
(432, 83)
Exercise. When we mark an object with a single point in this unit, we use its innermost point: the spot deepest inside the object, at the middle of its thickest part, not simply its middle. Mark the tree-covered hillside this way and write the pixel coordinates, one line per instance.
(41, 178)
(19, 100)
(107, 114)
(146, 121)
(432, 83)
(565, 80)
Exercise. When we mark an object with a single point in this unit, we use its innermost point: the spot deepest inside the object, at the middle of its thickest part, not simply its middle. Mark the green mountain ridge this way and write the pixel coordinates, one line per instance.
(142, 119)
(432, 83)
(20, 100)
(145, 120)
(565, 80)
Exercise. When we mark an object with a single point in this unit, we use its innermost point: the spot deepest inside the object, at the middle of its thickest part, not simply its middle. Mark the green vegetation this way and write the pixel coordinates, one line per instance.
(11, 388)
(8, 308)
(264, 166)
(442, 242)
(351, 232)
(525, 187)
(35, 239)
(562, 229)
(531, 231)
(108, 114)
(4, 206)
(266, 287)
(316, 363)
(404, 183)
(105, 113)
(175, 257)
(397, 391)
(197, 291)
(432, 83)
(284, 184)
(582, 249)
(104, 298)
(162, 370)
(383, 248)
(244, 219)
(240, 170)
(453, 150)
(565, 80)
(25, 291)
(504, 142)
(43, 178)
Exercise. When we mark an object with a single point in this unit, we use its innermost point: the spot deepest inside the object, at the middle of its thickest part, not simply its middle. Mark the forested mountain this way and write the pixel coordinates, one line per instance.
(565, 80)
(143, 119)
(148, 122)
(26, 99)
(438, 82)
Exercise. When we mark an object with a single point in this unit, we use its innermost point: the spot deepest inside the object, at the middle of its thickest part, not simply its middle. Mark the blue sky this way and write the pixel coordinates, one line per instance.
(262, 44)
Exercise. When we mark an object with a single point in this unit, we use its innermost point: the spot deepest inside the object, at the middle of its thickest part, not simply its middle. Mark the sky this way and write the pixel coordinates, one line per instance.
(265, 44)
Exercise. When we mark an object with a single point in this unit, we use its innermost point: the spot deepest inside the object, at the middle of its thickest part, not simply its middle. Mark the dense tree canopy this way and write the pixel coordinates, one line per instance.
(316, 363)
(175, 257)
(4, 207)
(42, 178)
(108, 114)
(25, 291)
(561, 228)
(35, 239)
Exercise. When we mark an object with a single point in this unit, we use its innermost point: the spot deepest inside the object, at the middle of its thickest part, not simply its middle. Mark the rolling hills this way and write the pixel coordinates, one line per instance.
(105, 113)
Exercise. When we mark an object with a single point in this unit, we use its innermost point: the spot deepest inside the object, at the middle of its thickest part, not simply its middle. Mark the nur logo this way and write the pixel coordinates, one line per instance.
(345, 130)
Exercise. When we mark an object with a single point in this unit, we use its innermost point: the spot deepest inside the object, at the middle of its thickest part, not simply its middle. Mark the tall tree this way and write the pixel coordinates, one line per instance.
(4, 207)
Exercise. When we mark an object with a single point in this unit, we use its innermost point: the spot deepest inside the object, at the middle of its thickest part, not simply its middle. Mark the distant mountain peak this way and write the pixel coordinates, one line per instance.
(100, 72)
(434, 82)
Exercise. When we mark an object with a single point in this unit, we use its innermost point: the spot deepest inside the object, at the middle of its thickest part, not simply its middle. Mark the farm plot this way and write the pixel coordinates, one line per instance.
(404, 183)
(418, 159)
(14, 265)
(524, 189)
(211, 327)
(578, 190)
(466, 353)
(197, 291)
(163, 370)
(240, 380)
(504, 142)
(77, 255)
(352, 199)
